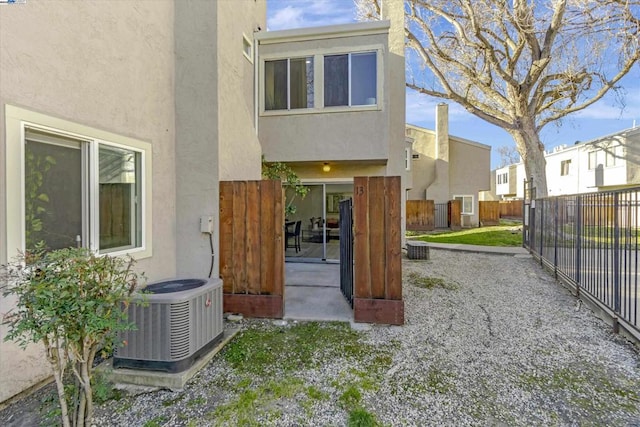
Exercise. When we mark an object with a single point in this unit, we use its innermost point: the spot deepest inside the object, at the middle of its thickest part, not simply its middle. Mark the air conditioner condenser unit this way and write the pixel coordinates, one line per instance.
(176, 322)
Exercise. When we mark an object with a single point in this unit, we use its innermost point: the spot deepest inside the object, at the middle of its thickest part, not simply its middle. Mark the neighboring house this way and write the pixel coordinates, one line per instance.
(606, 163)
(445, 167)
(509, 181)
(153, 104)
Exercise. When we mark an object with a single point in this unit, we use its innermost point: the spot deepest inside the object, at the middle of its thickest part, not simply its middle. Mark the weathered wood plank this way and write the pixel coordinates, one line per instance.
(253, 238)
(226, 235)
(362, 274)
(239, 237)
(277, 244)
(489, 212)
(393, 239)
(377, 243)
(269, 306)
(267, 236)
(420, 215)
(455, 210)
(384, 311)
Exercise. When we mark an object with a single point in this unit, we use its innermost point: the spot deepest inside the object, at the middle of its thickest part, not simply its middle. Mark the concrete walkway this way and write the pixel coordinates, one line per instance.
(503, 250)
(312, 292)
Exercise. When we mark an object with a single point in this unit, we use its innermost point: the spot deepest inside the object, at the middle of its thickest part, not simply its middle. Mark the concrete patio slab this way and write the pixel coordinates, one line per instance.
(312, 292)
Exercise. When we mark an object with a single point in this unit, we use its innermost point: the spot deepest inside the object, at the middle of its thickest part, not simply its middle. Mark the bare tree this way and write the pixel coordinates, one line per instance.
(508, 155)
(519, 64)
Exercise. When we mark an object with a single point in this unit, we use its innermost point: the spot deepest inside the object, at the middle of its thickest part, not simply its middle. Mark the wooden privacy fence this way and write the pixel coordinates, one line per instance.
(489, 212)
(377, 250)
(511, 209)
(115, 215)
(420, 215)
(251, 247)
(455, 214)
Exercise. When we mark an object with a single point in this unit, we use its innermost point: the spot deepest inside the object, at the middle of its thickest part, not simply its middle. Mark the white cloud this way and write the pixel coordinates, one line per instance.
(288, 17)
(287, 14)
(421, 110)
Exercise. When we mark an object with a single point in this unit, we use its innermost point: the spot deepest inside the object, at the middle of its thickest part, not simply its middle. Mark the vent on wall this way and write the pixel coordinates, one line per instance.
(176, 322)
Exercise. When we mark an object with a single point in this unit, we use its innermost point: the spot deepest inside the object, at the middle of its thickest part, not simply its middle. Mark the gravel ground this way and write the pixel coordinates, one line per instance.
(498, 342)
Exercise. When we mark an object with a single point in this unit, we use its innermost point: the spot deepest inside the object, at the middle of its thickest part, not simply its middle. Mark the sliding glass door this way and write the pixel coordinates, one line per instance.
(319, 222)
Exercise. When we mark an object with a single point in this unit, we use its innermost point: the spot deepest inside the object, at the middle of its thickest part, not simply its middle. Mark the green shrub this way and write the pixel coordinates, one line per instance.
(73, 302)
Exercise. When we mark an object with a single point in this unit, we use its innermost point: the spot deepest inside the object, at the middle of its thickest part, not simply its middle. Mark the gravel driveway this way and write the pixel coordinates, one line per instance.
(495, 342)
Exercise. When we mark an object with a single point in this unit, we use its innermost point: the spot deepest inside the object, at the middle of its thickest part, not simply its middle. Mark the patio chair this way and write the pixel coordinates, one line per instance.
(295, 235)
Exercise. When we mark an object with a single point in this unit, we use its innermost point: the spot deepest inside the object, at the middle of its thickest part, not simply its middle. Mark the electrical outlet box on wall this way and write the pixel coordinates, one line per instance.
(206, 224)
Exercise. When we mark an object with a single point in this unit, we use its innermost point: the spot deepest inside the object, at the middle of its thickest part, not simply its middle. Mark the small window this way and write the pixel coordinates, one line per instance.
(592, 160)
(466, 204)
(407, 159)
(350, 79)
(247, 48)
(565, 167)
(288, 84)
(415, 156)
(610, 156)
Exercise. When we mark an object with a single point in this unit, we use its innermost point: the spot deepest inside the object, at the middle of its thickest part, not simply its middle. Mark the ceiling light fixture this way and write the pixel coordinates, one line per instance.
(326, 167)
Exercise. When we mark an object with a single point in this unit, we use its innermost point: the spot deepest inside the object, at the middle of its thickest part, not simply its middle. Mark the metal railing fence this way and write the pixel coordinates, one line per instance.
(590, 241)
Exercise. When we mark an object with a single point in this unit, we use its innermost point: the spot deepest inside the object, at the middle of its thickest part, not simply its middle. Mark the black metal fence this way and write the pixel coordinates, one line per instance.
(346, 249)
(590, 241)
(442, 215)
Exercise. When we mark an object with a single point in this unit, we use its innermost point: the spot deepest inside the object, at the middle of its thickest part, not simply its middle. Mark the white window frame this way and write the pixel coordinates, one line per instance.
(289, 87)
(610, 155)
(17, 120)
(407, 159)
(565, 163)
(247, 48)
(463, 196)
(318, 75)
(594, 165)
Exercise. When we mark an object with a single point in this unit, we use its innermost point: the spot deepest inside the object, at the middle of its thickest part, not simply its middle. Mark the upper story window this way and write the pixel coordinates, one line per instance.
(288, 84)
(610, 156)
(593, 159)
(503, 178)
(312, 82)
(350, 79)
(565, 167)
(247, 48)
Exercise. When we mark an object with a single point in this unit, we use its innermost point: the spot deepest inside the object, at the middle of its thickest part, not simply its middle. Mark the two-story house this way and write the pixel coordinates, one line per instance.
(127, 115)
(605, 163)
(446, 167)
(331, 105)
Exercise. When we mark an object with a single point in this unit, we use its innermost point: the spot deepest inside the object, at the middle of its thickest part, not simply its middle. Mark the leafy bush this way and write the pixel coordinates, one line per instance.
(73, 302)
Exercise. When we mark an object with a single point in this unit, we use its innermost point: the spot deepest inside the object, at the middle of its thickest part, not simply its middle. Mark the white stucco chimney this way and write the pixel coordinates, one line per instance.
(393, 10)
(442, 131)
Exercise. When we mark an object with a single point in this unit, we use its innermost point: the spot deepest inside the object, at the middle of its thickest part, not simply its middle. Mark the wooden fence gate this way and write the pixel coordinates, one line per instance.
(252, 247)
(489, 212)
(377, 250)
(420, 215)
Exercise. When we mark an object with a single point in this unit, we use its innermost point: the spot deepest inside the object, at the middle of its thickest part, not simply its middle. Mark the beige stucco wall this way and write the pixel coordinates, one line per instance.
(216, 138)
(325, 135)
(103, 64)
(469, 170)
(423, 168)
(239, 149)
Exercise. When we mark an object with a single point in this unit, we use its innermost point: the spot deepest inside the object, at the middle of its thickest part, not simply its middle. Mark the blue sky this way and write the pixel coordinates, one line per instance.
(600, 119)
